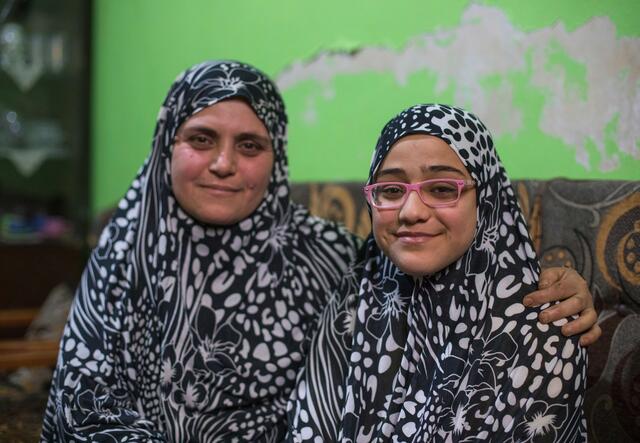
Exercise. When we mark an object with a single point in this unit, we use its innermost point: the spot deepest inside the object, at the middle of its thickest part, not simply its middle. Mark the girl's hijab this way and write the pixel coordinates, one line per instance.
(189, 332)
(453, 356)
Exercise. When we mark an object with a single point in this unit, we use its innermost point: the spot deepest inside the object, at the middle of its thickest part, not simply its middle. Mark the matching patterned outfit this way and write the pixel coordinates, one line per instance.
(453, 356)
(184, 332)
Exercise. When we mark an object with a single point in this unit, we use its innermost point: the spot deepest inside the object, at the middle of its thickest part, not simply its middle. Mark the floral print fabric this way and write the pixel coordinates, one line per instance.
(185, 332)
(454, 356)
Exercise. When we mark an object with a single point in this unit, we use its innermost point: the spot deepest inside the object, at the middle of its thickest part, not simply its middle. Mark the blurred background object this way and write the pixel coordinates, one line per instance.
(44, 194)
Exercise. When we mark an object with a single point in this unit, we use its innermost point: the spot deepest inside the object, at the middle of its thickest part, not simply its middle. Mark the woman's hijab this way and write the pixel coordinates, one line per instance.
(453, 356)
(182, 331)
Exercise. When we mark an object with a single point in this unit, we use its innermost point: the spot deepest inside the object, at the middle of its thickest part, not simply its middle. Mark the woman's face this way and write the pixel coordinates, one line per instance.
(419, 239)
(221, 163)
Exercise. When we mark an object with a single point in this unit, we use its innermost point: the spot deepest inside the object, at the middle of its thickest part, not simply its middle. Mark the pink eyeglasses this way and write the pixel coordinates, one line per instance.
(435, 193)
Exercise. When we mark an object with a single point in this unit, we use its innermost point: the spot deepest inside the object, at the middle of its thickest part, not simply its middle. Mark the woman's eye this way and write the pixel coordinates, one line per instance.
(200, 141)
(251, 148)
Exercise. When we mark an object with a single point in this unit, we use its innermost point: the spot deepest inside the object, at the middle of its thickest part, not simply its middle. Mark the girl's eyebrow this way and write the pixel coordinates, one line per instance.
(390, 171)
(424, 169)
(441, 168)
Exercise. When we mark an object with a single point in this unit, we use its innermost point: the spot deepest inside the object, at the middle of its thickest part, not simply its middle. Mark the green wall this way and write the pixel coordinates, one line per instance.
(557, 82)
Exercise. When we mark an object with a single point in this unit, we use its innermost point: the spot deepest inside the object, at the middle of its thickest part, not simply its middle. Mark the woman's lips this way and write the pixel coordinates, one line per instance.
(220, 189)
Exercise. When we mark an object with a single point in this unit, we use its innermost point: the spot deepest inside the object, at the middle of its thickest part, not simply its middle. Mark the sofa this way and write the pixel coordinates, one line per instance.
(592, 226)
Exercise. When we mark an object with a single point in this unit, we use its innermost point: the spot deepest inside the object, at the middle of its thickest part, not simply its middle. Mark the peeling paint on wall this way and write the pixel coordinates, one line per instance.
(589, 78)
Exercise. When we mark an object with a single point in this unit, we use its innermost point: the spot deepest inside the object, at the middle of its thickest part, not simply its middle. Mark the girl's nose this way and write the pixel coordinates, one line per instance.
(414, 210)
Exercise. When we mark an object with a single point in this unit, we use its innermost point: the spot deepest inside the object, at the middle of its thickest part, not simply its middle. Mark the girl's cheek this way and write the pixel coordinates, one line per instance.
(381, 221)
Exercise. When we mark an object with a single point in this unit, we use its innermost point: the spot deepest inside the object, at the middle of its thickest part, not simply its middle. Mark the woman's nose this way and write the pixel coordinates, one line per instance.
(224, 161)
(414, 210)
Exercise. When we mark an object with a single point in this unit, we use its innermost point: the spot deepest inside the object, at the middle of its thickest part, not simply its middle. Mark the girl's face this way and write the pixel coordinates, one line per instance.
(419, 239)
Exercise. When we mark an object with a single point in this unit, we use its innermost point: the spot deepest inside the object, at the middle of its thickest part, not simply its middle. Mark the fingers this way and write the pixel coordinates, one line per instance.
(559, 284)
(568, 287)
(572, 282)
(553, 293)
(565, 309)
(560, 290)
(548, 276)
(592, 336)
(586, 322)
(579, 325)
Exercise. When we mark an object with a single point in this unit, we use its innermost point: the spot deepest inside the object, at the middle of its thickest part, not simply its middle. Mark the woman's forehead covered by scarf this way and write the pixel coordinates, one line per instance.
(210, 82)
(461, 130)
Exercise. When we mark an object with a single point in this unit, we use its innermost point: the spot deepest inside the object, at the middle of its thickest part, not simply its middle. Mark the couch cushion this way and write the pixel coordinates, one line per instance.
(594, 227)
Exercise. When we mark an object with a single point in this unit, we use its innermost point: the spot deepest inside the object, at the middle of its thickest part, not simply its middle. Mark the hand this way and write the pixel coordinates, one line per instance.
(566, 284)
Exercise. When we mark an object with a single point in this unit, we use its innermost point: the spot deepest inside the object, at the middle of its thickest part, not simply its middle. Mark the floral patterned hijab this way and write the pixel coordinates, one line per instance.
(182, 331)
(454, 356)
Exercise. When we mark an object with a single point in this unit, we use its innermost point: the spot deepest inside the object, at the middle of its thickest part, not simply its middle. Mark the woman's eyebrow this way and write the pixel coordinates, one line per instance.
(213, 133)
(200, 129)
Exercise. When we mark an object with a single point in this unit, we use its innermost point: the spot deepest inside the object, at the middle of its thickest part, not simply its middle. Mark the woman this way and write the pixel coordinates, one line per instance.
(428, 339)
(190, 316)
(189, 321)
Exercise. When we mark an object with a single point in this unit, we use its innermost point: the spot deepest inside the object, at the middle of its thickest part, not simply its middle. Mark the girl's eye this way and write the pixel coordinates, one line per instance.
(442, 190)
(390, 191)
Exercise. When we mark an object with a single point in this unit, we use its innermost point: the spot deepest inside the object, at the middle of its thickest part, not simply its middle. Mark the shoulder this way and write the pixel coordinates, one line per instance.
(321, 229)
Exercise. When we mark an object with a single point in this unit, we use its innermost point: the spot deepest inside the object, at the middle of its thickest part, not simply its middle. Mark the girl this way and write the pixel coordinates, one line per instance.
(428, 339)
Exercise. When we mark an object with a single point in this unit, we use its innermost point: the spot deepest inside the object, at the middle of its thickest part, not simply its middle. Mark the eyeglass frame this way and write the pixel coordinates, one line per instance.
(409, 187)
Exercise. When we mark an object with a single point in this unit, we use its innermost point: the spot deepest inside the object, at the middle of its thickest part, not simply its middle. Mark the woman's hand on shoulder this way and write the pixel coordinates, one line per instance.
(568, 287)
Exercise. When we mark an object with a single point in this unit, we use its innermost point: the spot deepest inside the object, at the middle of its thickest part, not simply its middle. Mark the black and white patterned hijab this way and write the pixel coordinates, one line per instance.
(454, 356)
(182, 331)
